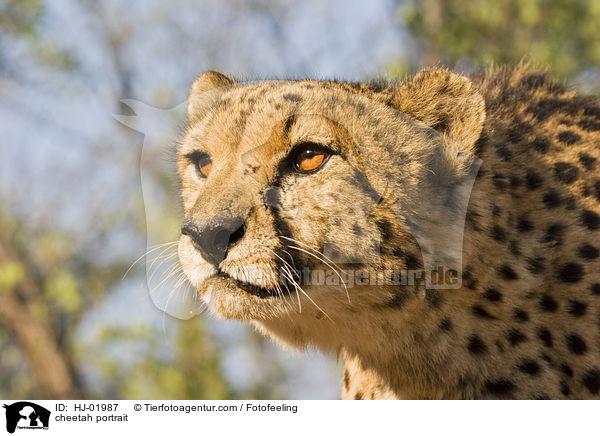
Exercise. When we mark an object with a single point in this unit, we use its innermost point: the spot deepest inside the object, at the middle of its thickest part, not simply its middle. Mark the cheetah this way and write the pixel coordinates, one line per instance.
(297, 193)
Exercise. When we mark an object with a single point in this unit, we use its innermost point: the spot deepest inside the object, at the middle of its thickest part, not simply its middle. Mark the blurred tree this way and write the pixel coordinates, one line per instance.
(561, 34)
(52, 278)
(192, 372)
(20, 16)
(19, 19)
(23, 314)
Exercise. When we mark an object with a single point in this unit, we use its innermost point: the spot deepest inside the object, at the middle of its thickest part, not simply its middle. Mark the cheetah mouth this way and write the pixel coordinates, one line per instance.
(250, 288)
(228, 297)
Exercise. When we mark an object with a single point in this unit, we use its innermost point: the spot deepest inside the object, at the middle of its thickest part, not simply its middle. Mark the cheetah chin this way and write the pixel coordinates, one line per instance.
(321, 212)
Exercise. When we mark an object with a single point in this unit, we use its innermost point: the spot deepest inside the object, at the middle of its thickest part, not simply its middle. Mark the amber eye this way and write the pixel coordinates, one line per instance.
(310, 158)
(205, 168)
(201, 161)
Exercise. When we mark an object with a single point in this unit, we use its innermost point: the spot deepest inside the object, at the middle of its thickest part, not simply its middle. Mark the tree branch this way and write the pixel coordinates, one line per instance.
(48, 363)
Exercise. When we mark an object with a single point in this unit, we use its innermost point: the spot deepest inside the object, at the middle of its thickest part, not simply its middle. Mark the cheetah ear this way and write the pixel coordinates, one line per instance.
(445, 101)
(203, 91)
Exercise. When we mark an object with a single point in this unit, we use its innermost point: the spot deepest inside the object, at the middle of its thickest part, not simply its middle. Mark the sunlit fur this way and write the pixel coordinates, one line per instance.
(400, 151)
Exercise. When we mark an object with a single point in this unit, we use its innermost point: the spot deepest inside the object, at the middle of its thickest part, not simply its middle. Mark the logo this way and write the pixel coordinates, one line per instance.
(26, 415)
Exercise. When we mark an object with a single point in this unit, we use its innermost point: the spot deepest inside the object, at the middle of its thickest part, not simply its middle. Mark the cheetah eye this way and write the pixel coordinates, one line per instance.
(201, 161)
(309, 157)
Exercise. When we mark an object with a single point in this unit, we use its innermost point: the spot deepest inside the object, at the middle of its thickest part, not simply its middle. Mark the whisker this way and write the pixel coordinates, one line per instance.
(181, 280)
(150, 250)
(299, 288)
(291, 258)
(160, 256)
(170, 296)
(169, 270)
(174, 270)
(329, 265)
(290, 278)
(313, 250)
(157, 268)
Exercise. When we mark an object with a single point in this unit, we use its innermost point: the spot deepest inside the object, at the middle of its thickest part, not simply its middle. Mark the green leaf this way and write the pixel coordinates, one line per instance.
(11, 275)
(62, 288)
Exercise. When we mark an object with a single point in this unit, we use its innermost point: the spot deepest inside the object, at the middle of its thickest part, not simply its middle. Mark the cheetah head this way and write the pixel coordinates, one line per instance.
(284, 177)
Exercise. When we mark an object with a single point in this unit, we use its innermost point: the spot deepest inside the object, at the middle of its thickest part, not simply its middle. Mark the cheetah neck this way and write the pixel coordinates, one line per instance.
(396, 352)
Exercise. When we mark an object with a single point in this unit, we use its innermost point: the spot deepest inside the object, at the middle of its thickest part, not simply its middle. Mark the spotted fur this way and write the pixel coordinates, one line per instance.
(525, 321)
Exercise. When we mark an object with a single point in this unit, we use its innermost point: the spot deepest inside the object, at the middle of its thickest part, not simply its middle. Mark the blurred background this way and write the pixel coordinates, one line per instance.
(73, 324)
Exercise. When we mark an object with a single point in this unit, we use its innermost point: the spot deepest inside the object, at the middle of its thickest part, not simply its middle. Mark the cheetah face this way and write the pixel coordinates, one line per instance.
(281, 178)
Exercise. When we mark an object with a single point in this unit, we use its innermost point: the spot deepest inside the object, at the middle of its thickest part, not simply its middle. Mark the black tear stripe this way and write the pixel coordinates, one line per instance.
(385, 228)
(272, 200)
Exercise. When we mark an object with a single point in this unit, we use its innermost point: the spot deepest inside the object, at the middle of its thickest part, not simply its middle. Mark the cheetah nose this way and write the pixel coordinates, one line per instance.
(216, 238)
